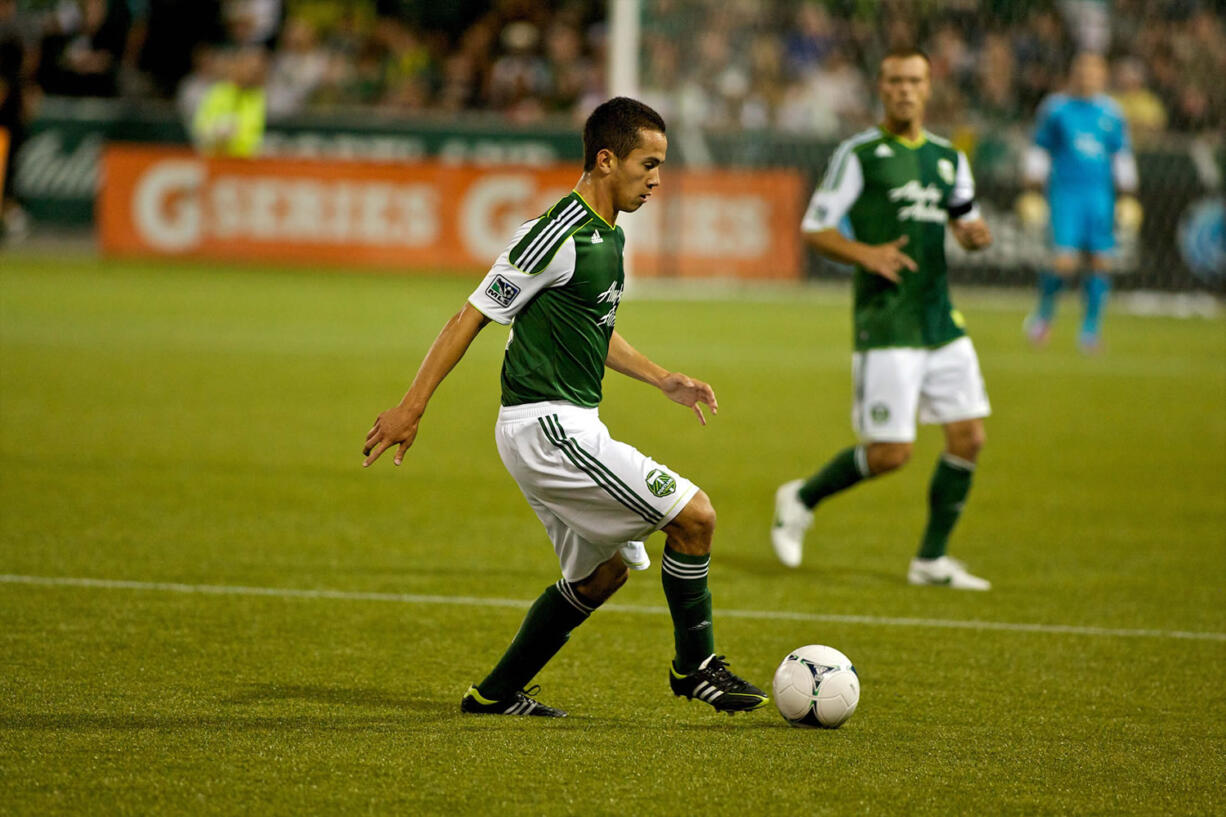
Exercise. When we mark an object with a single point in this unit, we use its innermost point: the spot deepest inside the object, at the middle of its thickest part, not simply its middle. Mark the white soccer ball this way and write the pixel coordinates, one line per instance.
(817, 687)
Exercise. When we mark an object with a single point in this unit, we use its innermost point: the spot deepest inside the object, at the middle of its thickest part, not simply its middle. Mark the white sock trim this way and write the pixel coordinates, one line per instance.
(954, 461)
(861, 458)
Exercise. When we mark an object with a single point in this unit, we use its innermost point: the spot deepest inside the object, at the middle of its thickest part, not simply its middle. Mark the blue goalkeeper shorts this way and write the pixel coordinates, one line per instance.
(1082, 220)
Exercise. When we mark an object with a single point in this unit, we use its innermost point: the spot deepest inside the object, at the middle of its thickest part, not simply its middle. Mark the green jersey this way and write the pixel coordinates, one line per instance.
(559, 283)
(887, 187)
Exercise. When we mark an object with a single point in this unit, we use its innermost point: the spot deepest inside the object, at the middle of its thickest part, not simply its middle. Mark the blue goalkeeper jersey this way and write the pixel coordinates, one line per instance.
(1082, 136)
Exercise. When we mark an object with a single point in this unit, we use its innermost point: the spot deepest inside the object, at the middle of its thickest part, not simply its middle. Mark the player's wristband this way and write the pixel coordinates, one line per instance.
(957, 211)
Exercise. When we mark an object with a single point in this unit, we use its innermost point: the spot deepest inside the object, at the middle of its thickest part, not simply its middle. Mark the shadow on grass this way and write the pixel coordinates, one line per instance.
(766, 566)
(91, 722)
(369, 697)
(398, 712)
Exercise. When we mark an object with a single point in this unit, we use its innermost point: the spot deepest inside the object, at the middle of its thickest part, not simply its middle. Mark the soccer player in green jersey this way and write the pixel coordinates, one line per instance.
(900, 186)
(559, 283)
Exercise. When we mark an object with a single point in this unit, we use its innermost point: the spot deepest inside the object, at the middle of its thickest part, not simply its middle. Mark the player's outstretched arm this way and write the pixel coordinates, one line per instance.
(398, 425)
(887, 260)
(678, 387)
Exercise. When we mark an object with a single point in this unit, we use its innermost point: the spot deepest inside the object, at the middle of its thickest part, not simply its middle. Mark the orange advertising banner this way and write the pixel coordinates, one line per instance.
(169, 201)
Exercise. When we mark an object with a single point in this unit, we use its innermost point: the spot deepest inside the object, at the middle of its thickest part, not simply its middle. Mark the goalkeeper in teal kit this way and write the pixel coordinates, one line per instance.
(900, 187)
(1081, 150)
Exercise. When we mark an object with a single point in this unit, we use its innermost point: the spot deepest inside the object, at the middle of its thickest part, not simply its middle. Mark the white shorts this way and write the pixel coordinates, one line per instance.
(592, 493)
(944, 385)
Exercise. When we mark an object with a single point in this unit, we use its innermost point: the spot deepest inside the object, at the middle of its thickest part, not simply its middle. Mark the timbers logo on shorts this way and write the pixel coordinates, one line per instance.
(660, 482)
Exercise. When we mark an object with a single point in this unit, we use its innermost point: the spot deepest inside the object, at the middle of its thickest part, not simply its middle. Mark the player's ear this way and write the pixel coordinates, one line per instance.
(606, 160)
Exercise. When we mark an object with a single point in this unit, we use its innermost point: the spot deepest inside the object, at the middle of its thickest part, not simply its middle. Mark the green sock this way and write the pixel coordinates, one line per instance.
(848, 467)
(545, 629)
(685, 587)
(951, 482)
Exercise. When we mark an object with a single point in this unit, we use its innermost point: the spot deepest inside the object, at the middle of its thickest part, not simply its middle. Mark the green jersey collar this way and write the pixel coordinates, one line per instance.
(583, 201)
(904, 141)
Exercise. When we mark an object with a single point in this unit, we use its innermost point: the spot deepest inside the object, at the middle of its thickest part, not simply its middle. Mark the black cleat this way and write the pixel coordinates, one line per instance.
(517, 704)
(713, 683)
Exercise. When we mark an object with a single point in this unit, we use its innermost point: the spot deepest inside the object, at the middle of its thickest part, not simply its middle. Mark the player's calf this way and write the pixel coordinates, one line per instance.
(886, 457)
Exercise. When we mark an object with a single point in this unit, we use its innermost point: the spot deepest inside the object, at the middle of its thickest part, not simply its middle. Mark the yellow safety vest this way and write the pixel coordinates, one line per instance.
(230, 121)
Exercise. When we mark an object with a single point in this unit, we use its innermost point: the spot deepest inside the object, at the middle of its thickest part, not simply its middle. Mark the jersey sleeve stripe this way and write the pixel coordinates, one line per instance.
(835, 171)
(545, 250)
(542, 225)
(838, 163)
(537, 241)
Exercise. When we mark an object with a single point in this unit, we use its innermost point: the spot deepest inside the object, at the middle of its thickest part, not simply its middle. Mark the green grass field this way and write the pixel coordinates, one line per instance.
(202, 426)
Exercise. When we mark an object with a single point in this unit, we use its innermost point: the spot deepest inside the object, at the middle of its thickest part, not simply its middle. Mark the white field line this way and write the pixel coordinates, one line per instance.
(476, 601)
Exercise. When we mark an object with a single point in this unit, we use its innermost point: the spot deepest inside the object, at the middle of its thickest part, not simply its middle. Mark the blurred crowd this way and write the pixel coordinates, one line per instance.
(797, 65)
(809, 66)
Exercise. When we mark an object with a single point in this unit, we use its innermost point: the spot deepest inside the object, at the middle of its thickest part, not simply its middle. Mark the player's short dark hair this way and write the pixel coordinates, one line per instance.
(615, 125)
(902, 52)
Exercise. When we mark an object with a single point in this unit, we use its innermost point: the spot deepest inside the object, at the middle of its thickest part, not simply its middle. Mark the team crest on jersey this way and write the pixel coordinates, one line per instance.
(880, 413)
(946, 169)
(660, 482)
(502, 291)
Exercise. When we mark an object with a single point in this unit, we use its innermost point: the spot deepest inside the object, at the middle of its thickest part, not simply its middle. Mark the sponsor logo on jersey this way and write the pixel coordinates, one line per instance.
(1088, 146)
(612, 295)
(596, 239)
(660, 482)
(502, 291)
(925, 202)
(946, 169)
(883, 151)
(880, 413)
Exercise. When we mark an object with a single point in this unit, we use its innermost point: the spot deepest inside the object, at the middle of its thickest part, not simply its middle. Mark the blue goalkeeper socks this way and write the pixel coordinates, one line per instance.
(1095, 288)
(1050, 285)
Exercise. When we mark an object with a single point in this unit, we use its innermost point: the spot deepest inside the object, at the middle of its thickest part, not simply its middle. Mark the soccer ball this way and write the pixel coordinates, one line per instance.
(816, 686)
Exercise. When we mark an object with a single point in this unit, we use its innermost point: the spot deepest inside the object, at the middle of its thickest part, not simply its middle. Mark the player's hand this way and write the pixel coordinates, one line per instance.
(1128, 215)
(972, 235)
(689, 392)
(1032, 211)
(396, 426)
(888, 260)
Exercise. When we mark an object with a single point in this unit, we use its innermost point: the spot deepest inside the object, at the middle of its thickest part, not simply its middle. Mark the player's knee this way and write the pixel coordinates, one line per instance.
(886, 457)
(614, 582)
(968, 442)
(1065, 265)
(975, 442)
(604, 582)
(691, 530)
